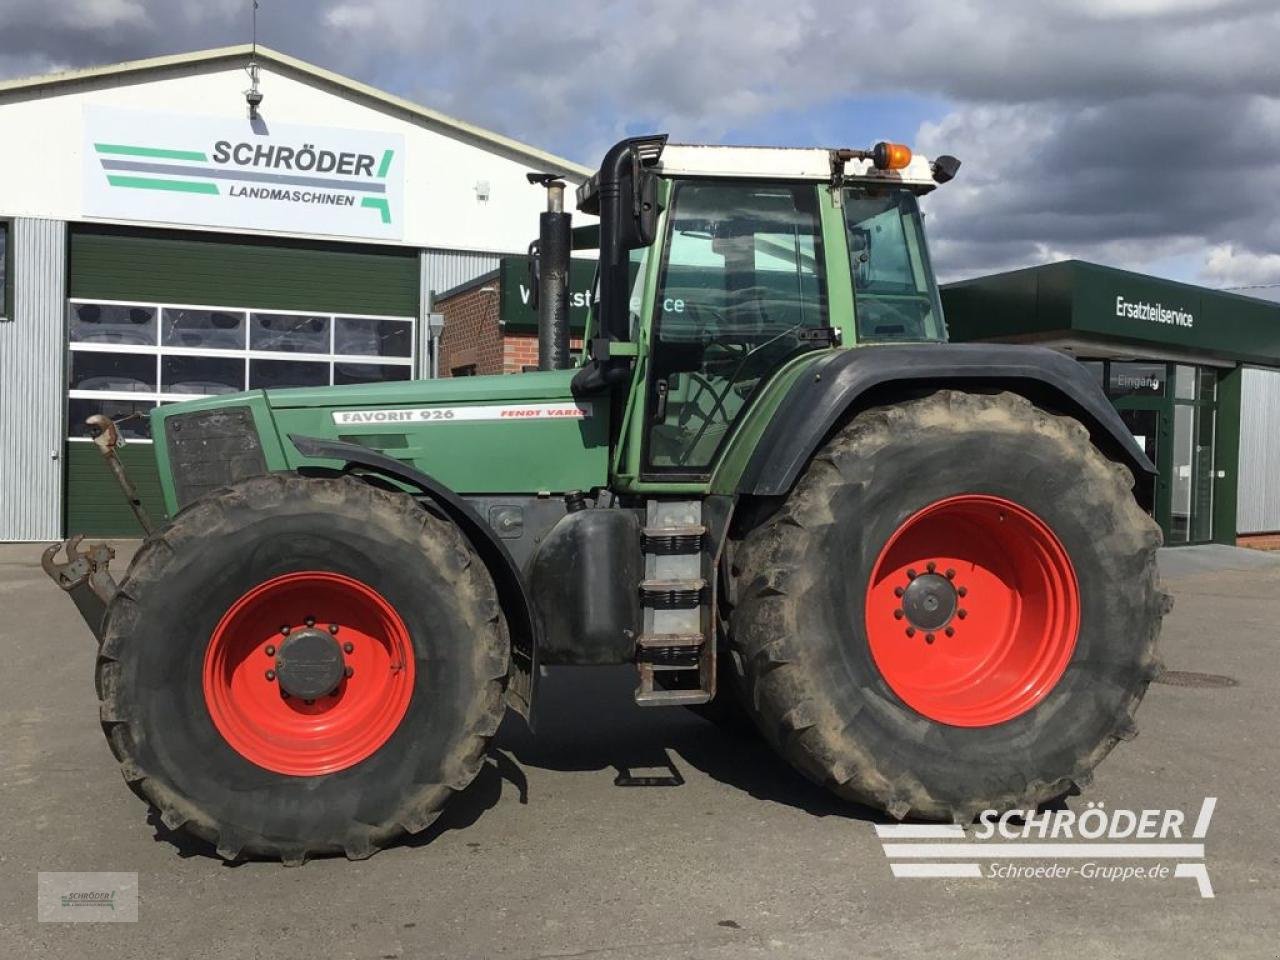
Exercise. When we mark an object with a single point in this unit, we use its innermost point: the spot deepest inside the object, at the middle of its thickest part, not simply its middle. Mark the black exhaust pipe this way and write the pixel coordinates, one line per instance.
(552, 271)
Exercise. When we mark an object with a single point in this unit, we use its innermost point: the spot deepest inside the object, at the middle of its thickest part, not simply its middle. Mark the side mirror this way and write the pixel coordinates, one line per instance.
(860, 253)
(640, 198)
(945, 168)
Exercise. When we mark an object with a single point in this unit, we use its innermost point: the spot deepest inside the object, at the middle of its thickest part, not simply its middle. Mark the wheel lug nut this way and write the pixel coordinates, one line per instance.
(284, 631)
(271, 675)
(911, 573)
(950, 631)
(962, 614)
(348, 647)
(962, 591)
(911, 631)
(898, 591)
(931, 566)
(333, 628)
(270, 651)
(311, 621)
(349, 672)
(284, 694)
(928, 638)
(951, 574)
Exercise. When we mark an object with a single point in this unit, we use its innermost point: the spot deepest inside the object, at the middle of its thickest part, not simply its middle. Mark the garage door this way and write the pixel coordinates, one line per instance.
(160, 317)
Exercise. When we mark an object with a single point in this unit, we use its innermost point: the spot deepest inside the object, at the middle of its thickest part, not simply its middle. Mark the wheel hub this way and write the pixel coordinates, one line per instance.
(972, 610)
(309, 673)
(929, 601)
(309, 664)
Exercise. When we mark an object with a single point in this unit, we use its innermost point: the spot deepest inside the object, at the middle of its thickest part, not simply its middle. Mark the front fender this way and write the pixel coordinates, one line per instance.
(836, 385)
(517, 606)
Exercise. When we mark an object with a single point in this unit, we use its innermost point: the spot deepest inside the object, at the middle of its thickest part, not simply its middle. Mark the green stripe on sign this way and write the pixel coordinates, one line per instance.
(129, 151)
(386, 162)
(380, 204)
(149, 183)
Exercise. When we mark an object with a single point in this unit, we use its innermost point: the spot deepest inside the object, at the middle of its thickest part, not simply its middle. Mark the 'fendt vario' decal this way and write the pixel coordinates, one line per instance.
(515, 411)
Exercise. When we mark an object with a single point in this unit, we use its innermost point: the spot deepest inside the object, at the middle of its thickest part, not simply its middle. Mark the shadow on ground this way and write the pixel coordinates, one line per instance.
(587, 720)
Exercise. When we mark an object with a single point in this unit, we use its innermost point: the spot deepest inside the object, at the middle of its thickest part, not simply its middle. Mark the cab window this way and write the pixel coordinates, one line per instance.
(895, 295)
(741, 282)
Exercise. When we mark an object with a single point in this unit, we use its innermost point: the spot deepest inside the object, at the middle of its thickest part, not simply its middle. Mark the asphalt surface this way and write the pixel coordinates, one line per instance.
(543, 856)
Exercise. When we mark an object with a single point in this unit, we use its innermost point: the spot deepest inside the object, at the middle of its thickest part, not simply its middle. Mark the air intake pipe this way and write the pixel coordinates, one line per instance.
(552, 276)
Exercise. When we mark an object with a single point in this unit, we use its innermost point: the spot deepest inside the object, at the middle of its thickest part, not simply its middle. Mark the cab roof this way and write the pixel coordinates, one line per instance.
(784, 163)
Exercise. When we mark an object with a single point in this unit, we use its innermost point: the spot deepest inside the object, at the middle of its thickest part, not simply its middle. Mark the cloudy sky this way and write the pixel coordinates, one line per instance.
(1139, 133)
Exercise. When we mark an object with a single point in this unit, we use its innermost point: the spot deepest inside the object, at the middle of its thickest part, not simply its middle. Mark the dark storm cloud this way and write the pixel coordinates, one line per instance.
(1131, 131)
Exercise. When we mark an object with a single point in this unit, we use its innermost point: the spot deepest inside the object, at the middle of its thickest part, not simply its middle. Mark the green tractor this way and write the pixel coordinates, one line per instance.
(925, 571)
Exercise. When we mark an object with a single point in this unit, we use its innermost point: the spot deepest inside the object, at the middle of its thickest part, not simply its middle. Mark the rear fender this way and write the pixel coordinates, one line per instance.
(512, 593)
(837, 386)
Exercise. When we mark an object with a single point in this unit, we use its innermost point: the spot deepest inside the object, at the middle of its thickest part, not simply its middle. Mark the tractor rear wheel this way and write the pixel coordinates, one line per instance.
(298, 666)
(955, 609)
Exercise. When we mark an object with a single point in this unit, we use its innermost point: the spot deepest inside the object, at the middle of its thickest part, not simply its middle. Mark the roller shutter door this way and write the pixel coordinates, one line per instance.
(158, 316)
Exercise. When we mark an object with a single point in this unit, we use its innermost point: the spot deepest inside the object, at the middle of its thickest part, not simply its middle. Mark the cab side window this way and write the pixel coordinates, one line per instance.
(742, 280)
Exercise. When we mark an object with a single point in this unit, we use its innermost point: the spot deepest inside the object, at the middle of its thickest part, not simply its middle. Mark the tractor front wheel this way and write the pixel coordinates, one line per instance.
(955, 609)
(298, 666)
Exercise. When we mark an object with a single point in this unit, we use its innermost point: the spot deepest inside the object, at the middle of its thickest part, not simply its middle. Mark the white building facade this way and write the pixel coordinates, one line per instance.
(162, 243)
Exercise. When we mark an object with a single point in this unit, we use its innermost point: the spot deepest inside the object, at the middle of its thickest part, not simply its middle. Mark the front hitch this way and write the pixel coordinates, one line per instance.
(85, 576)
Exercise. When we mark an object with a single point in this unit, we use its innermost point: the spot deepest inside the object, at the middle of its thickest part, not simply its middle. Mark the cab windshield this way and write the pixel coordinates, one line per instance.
(895, 295)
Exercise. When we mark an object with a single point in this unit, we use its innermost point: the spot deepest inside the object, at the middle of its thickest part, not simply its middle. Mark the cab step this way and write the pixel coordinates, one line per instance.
(675, 601)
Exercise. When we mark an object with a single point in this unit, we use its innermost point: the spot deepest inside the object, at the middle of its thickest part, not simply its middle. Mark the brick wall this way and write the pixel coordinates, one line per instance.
(472, 335)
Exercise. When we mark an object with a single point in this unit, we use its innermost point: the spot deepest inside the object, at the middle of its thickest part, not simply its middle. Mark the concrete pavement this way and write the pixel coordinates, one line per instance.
(543, 856)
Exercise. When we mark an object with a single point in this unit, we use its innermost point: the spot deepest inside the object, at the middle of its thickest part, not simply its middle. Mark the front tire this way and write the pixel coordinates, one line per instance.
(378, 617)
(955, 609)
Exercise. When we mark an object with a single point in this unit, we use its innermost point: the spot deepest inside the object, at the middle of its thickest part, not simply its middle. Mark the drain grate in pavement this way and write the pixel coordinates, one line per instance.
(1187, 678)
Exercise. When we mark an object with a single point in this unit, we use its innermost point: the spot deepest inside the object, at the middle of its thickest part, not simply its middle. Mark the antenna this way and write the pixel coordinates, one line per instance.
(253, 96)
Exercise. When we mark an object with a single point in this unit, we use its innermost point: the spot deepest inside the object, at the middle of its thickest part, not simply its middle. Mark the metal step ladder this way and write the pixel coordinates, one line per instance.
(675, 661)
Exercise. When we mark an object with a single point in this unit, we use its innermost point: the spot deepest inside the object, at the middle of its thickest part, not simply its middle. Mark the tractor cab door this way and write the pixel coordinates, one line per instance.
(741, 290)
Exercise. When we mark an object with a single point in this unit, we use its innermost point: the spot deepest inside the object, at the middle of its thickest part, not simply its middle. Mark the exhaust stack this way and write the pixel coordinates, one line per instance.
(552, 273)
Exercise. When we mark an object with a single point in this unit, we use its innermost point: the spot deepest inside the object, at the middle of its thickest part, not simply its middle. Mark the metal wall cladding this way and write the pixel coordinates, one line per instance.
(31, 383)
(1258, 510)
(445, 269)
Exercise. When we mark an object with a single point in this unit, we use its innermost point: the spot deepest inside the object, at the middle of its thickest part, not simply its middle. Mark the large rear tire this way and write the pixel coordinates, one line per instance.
(377, 616)
(955, 609)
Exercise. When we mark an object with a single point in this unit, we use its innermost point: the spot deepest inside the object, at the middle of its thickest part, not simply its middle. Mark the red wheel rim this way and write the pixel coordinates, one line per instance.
(972, 611)
(287, 734)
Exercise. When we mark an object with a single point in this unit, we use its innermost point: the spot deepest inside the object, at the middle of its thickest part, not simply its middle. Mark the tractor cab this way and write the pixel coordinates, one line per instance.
(719, 266)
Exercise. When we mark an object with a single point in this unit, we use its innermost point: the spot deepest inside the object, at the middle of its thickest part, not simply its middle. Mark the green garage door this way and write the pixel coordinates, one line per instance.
(160, 316)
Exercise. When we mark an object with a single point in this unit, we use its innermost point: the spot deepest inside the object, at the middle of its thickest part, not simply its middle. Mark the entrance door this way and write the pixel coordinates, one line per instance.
(1171, 410)
(1191, 469)
(1139, 392)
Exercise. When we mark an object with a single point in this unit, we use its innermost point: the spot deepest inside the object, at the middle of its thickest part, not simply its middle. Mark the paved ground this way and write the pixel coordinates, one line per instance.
(544, 856)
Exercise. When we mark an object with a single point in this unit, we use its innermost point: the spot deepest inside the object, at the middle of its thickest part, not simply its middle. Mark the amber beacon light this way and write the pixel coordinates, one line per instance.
(890, 156)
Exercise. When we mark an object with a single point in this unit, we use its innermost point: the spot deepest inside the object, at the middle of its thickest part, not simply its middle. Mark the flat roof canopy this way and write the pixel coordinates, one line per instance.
(1092, 310)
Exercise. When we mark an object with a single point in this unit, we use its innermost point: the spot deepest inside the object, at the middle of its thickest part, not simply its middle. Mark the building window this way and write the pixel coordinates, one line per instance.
(124, 359)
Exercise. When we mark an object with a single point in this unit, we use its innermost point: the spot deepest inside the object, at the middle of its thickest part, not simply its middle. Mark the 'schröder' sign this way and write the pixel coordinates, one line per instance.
(233, 172)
